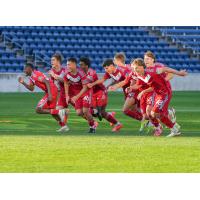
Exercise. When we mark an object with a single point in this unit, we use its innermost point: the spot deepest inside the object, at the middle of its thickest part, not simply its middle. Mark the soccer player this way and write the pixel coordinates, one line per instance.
(120, 61)
(77, 92)
(100, 96)
(151, 64)
(158, 84)
(47, 105)
(57, 73)
(118, 75)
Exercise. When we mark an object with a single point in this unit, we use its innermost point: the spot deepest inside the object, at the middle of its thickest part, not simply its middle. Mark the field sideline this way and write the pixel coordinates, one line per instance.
(29, 143)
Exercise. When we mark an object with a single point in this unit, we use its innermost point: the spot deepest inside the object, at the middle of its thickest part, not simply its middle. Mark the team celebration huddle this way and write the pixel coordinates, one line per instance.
(145, 84)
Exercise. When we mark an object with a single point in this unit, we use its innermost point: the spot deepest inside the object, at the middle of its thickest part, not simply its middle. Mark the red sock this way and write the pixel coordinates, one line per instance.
(165, 120)
(134, 114)
(54, 111)
(91, 122)
(61, 123)
(111, 119)
(154, 121)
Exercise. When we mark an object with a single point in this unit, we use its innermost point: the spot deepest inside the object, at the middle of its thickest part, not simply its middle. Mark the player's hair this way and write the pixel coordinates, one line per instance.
(108, 62)
(29, 65)
(121, 56)
(72, 60)
(138, 62)
(151, 55)
(58, 57)
(86, 61)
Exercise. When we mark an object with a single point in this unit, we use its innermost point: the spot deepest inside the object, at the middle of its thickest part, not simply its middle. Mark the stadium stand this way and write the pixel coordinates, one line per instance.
(178, 47)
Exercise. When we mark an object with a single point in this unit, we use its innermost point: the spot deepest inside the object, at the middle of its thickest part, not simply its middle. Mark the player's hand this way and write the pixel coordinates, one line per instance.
(128, 89)
(51, 73)
(74, 99)
(89, 85)
(112, 88)
(140, 95)
(21, 80)
(183, 73)
(50, 98)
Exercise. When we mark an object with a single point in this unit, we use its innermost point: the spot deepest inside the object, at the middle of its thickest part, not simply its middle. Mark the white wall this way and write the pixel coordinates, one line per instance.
(9, 83)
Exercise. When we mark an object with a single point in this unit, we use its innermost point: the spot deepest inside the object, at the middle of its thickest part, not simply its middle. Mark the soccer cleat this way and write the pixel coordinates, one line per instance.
(149, 128)
(113, 115)
(158, 130)
(175, 131)
(117, 127)
(63, 129)
(172, 114)
(143, 125)
(92, 130)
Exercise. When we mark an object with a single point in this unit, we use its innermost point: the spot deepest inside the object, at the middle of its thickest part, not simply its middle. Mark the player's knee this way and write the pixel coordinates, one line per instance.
(154, 115)
(85, 111)
(38, 110)
(79, 113)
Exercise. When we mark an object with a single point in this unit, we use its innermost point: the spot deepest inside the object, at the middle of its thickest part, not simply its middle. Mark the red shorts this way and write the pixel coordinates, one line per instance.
(84, 101)
(146, 100)
(133, 94)
(62, 100)
(161, 103)
(99, 99)
(45, 104)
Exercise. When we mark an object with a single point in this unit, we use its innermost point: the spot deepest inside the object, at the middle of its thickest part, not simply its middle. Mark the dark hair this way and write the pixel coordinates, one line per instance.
(29, 65)
(151, 55)
(121, 56)
(58, 56)
(138, 62)
(72, 60)
(86, 61)
(108, 62)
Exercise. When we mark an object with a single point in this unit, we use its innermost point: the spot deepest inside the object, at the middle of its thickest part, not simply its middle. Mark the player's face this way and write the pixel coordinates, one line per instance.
(54, 62)
(83, 66)
(117, 62)
(148, 61)
(28, 71)
(109, 69)
(139, 70)
(71, 66)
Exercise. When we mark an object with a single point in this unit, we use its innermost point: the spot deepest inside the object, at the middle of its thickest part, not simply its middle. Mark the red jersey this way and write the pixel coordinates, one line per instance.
(156, 81)
(118, 76)
(37, 78)
(92, 77)
(154, 68)
(61, 74)
(76, 81)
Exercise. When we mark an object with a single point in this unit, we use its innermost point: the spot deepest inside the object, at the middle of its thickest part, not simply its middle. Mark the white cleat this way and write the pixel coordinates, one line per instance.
(63, 129)
(172, 114)
(175, 131)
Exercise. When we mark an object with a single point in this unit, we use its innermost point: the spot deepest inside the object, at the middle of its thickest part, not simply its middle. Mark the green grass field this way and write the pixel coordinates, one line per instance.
(29, 143)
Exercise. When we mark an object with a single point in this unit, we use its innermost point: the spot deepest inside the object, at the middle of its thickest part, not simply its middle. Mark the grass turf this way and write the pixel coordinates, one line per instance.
(29, 143)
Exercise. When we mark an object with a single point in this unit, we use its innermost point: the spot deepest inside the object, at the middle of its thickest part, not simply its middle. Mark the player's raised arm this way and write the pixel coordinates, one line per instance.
(117, 85)
(169, 76)
(29, 86)
(173, 71)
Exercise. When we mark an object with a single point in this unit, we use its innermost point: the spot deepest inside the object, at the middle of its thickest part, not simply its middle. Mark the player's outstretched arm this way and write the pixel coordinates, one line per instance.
(173, 71)
(46, 82)
(97, 82)
(169, 76)
(116, 86)
(28, 86)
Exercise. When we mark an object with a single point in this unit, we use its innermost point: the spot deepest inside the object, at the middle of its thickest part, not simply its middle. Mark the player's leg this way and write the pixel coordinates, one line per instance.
(130, 109)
